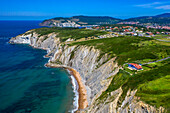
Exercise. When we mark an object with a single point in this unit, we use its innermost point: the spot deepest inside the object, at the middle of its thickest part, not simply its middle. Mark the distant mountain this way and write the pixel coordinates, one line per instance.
(160, 19)
(80, 20)
(163, 15)
(76, 21)
(97, 19)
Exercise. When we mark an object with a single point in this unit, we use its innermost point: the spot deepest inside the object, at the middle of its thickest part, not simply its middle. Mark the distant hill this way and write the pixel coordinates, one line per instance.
(80, 20)
(76, 21)
(160, 19)
(97, 19)
(163, 15)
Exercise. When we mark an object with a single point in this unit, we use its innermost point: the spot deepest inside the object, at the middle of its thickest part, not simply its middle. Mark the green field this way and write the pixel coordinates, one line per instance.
(129, 49)
(163, 37)
(153, 85)
(156, 92)
(66, 33)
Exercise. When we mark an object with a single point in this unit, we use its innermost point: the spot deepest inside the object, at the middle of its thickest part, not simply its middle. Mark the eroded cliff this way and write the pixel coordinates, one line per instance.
(96, 72)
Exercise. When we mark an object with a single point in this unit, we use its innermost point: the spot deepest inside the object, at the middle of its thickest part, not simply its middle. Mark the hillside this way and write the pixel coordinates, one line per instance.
(163, 15)
(95, 20)
(77, 21)
(67, 33)
(160, 19)
(137, 50)
(80, 20)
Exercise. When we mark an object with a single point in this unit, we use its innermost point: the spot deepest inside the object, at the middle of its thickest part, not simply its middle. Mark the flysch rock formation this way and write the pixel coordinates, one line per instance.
(96, 73)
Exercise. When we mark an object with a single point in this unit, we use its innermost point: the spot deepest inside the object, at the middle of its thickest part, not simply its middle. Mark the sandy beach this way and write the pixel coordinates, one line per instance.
(82, 90)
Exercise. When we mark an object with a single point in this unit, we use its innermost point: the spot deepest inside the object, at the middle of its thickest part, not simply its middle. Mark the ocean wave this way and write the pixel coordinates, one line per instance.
(45, 56)
(75, 90)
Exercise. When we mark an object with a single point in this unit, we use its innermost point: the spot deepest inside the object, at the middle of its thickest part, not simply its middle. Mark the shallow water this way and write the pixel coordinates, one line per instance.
(25, 84)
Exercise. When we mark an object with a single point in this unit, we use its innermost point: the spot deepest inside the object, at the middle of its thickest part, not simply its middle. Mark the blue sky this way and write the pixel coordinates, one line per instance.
(44, 9)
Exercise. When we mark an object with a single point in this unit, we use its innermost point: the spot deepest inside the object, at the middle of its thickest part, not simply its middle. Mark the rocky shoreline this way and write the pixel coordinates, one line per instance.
(82, 101)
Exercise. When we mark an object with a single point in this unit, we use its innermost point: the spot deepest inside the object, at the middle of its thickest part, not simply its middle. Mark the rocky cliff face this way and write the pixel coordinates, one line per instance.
(47, 42)
(96, 73)
(130, 104)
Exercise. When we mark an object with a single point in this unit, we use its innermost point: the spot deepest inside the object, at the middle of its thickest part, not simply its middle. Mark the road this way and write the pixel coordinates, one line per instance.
(156, 61)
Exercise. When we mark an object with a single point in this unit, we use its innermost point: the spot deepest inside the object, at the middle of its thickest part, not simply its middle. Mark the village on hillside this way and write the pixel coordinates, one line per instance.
(116, 30)
(129, 30)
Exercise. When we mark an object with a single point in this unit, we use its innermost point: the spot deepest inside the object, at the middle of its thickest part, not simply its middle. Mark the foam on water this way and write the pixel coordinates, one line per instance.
(75, 90)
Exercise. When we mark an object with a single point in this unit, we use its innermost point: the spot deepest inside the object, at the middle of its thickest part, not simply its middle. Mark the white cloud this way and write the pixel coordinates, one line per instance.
(165, 7)
(156, 5)
(149, 4)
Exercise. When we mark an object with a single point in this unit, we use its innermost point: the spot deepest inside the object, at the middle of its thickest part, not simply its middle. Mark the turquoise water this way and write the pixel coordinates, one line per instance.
(25, 84)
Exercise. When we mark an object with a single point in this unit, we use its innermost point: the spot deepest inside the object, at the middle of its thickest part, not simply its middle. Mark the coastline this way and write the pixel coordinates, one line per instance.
(82, 100)
(82, 92)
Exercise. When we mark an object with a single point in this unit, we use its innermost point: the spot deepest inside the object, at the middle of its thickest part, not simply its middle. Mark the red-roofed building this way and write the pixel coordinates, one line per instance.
(134, 66)
(157, 32)
(149, 33)
(126, 30)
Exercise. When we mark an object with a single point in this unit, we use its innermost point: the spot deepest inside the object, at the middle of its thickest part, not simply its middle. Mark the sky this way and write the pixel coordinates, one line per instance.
(45, 9)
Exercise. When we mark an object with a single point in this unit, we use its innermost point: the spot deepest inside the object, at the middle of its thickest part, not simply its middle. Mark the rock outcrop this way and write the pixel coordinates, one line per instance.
(96, 73)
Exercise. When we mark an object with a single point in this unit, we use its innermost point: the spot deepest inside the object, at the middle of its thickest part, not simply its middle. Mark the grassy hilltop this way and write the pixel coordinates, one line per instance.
(130, 49)
(66, 33)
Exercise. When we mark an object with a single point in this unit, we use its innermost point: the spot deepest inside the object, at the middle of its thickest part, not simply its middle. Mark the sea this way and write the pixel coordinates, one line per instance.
(26, 85)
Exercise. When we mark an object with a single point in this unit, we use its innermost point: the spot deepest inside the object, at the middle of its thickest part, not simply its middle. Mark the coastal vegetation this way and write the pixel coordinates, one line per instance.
(129, 49)
(153, 85)
(66, 33)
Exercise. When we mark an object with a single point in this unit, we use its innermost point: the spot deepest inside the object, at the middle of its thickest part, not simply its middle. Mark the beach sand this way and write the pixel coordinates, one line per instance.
(82, 90)
(83, 103)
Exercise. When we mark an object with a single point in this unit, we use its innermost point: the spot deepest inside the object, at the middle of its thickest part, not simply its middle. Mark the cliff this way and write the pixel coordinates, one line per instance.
(96, 73)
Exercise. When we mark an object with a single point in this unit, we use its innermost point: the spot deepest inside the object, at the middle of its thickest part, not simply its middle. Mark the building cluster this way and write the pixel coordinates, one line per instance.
(108, 35)
(158, 27)
(63, 24)
(126, 31)
(66, 24)
(148, 25)
(132, 23)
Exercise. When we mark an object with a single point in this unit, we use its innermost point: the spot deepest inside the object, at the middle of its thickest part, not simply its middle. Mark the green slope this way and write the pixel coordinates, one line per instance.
(153, 83)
